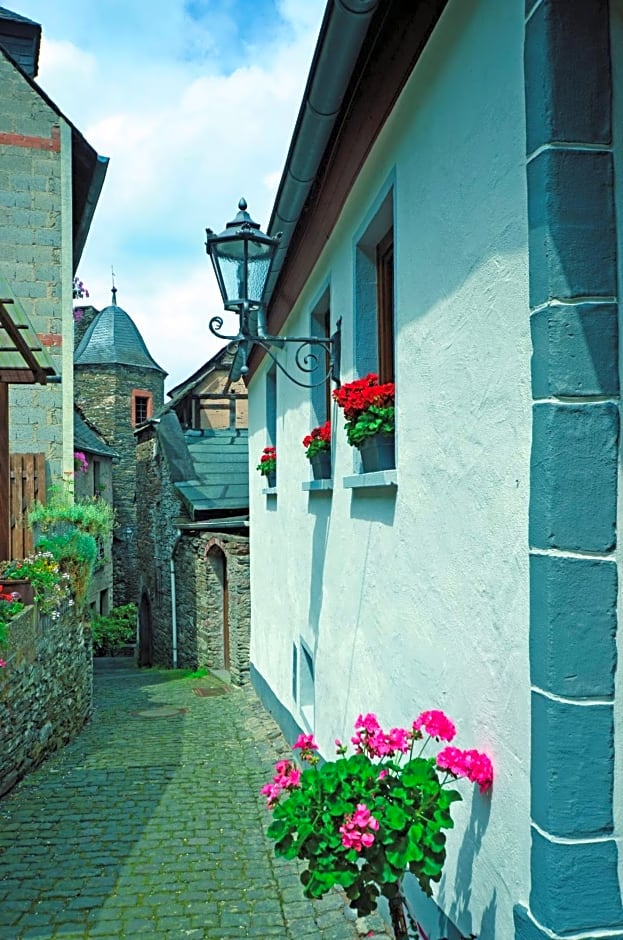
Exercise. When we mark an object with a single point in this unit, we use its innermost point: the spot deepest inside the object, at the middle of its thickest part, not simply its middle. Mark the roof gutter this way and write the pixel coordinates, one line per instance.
(342, 34)
(95, 188)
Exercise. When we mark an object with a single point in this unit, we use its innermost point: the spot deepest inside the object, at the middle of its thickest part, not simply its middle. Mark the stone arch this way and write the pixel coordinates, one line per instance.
(217, 563)
(227, 576)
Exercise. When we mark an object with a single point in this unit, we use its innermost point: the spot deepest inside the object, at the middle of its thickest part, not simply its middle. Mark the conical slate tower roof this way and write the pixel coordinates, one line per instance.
(113, 339)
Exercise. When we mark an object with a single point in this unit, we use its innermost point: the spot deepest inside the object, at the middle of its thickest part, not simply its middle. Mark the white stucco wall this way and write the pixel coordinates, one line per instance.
(420, 600)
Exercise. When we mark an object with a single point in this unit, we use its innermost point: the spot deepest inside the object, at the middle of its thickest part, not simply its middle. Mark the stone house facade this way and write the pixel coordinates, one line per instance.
(193, 546)
(50, 181)
(118, 386)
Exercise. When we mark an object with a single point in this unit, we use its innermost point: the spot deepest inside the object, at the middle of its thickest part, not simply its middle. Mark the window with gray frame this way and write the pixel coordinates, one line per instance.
(374, 295)
(320, 325)
(271, 407)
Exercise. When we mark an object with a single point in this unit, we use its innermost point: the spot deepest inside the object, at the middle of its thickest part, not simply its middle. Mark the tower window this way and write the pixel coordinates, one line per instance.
(142, 406)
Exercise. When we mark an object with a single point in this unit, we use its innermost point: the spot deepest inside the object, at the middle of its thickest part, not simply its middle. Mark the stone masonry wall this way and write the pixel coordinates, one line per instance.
(199, 580)
(30, 251)
(45, 690)
(158, 508)
(104, 393)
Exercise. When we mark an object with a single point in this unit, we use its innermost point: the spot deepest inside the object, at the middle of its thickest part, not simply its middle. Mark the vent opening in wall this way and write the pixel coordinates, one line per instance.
(306, 687)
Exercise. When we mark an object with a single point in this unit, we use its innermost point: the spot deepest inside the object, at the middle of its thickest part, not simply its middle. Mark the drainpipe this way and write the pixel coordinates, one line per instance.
(174, 599)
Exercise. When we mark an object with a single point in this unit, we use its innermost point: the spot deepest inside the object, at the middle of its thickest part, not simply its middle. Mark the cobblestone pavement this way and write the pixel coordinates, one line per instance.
(150, 824)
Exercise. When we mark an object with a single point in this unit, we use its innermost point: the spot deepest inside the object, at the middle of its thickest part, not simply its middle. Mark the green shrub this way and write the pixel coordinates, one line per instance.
(75, 552)
(95, 516)
(72, 533)
(113, 631)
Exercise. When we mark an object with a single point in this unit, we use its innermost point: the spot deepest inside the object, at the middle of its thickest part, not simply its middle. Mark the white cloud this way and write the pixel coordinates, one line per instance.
(186, 136)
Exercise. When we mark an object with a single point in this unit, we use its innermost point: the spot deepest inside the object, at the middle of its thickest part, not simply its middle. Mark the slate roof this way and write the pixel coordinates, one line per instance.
(221, 462)
(21, 38)
(88, 440)
(112, 338)
(208, 468)
(9, 15)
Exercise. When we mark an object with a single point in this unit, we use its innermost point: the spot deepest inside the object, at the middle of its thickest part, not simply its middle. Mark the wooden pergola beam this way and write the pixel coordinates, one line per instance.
(27, 353)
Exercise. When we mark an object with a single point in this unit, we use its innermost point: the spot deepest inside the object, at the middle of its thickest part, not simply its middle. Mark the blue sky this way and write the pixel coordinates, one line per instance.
(194, 101)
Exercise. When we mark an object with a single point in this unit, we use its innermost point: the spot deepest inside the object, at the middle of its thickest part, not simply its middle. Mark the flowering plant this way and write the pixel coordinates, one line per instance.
(318, 440)
(80, 461)
(79, 290)
(51, 585)
(268, 461)
(362, 820)
(368, 407)
(10, 606)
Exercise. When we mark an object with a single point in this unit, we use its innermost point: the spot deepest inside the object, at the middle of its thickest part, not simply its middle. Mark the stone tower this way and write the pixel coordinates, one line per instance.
(118, 386)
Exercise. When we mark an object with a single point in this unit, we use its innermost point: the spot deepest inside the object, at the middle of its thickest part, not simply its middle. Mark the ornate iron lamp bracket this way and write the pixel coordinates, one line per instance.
(326, 359)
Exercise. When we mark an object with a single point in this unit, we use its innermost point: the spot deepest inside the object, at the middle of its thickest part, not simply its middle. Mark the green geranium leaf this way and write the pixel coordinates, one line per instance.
(277, 829)
(395, 817)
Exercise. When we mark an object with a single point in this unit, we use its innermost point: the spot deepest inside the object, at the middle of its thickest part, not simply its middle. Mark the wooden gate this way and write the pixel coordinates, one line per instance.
(27, 483)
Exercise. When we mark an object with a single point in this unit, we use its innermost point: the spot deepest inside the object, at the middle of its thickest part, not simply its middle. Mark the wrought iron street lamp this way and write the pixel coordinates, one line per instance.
(241, 256)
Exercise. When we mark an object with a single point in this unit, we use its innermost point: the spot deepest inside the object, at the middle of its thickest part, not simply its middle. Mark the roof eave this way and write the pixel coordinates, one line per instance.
(342, 34)
(94, 190)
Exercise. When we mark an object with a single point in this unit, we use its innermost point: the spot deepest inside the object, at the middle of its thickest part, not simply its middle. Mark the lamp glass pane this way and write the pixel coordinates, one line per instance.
(240, 255)
(232, 272)
(258, 272)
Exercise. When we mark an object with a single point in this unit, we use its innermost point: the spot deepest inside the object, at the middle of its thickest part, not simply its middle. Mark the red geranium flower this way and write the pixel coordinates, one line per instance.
(317, 440)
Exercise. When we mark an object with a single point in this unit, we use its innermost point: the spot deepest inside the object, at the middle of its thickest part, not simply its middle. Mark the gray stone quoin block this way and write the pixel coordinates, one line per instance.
(572, 768)
(573, 617)
(574, 476)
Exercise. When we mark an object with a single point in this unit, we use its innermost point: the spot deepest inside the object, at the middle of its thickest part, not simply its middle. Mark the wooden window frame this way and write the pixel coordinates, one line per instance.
(141, 393)
(385, 307)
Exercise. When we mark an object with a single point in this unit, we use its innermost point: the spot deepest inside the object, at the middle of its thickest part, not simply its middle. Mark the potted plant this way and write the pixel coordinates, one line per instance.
(10, 606)
(51, 586)
(268, 465)
(13, 581)
(362, 821)
(370, 420)
(317, 446)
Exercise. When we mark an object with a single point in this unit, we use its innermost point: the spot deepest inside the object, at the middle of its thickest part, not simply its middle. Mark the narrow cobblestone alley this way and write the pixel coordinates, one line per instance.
(150, 824)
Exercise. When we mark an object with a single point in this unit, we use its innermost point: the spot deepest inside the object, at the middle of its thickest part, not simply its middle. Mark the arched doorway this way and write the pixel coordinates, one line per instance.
(217, 560)
(145, 633)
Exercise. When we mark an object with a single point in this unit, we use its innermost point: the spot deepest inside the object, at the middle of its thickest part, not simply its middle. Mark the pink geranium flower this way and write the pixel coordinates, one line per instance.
(471, 764)
(435, 724)
(305, 742)
(358, 829)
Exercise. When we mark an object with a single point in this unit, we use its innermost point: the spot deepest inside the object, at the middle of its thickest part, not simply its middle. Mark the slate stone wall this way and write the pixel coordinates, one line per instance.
(45, 690)
(104, 393)
(157, 509)
(208, 568)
